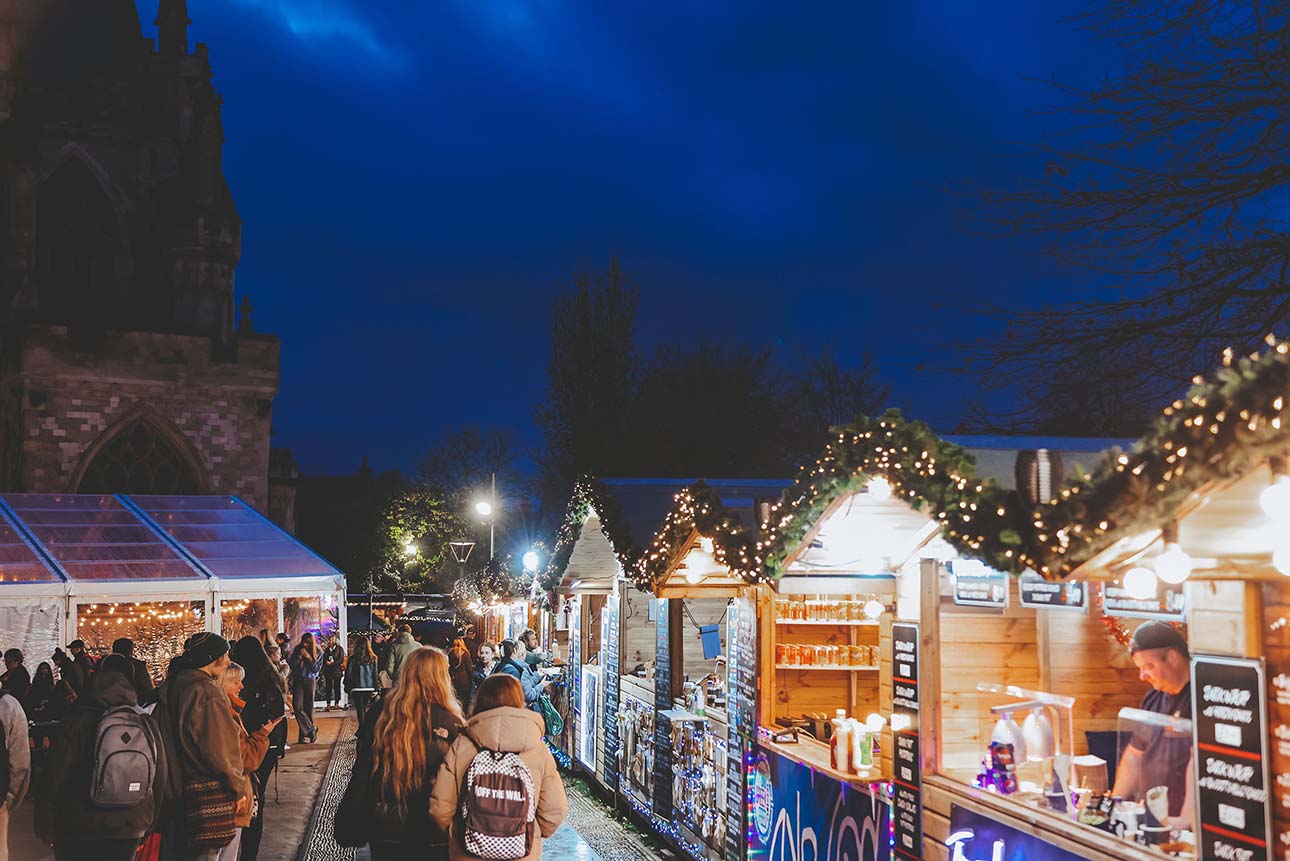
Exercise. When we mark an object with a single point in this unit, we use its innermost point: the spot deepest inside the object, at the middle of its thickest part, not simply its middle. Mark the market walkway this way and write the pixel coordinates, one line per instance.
(590, 833)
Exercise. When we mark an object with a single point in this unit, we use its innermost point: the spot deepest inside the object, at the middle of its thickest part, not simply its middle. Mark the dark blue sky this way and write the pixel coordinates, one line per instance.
(418, 180)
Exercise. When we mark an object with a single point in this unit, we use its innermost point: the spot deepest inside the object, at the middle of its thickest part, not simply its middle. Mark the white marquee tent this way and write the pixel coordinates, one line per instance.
(155, 569)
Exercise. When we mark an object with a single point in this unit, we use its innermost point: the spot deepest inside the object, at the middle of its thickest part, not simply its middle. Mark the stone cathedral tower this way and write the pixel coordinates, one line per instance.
(121, 367)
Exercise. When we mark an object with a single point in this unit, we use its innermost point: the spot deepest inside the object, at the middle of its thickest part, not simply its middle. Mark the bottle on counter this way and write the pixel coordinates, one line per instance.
(840, 742)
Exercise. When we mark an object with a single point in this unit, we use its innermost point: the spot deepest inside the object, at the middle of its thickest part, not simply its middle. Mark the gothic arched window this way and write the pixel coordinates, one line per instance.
(77, 246)
(140, 458)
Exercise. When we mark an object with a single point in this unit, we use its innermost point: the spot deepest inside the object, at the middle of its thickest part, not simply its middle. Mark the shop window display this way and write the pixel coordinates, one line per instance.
(158, 628)
(246, 617)
(313, 614)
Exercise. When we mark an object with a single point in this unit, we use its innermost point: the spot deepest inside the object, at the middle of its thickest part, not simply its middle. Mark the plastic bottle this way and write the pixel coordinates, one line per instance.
(840, 743)
(861, 747)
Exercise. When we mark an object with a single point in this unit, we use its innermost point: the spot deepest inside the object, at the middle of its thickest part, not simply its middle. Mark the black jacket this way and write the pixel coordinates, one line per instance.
(75, 676)
(143, 687)
(43, 703)
(16, 681)
(264, 702)
(415, 826)
(63, 807)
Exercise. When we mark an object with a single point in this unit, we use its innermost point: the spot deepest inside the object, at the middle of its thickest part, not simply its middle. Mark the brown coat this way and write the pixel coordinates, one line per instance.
(254, 746)
(513, 731)
(207, 732)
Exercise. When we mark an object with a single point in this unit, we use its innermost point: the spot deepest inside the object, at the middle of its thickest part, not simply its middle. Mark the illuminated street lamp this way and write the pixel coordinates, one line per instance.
(531, 562)
(485, 508)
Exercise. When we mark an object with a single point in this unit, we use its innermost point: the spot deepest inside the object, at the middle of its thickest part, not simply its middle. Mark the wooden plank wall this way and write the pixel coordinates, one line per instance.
(636, 634)
(806, 691)
(981, 645)
(706, 611)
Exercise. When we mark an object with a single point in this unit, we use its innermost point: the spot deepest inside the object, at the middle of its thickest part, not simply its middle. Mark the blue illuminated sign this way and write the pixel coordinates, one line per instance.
(796, 813)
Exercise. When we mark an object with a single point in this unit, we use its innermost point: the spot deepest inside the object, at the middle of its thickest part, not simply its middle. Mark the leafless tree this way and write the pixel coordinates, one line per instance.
(1167, 182)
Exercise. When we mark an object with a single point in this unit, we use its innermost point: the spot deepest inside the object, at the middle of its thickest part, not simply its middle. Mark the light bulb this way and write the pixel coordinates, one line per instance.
(1275, 499)
(873, 609)
(874, 723)
(879, 488)
(1281, 559)
(1140, 583)
(1173, 566)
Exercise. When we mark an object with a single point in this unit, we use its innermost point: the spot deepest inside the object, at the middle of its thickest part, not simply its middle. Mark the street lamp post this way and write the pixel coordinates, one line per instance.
(486, 509)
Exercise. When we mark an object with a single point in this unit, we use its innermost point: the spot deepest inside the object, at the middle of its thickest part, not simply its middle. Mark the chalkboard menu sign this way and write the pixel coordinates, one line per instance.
(907, 780)
(1169, 603)
(978, 585)
(741, 715)
(1048, 595)
(662, 794)
(1232, 789)
(1276, 650)
(609, 660)
(575, 671)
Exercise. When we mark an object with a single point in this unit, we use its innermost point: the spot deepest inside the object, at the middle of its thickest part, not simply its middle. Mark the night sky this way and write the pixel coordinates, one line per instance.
(418, 180)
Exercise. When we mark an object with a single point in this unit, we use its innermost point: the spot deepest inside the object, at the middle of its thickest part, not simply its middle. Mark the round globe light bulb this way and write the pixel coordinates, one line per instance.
(531, 560)
(1275, 499)
(1173, 566)
(1140, 583)
(410, 549)
(873, 609)
(874, 723)
(484, 508)
(879, 488)
(1281, 559)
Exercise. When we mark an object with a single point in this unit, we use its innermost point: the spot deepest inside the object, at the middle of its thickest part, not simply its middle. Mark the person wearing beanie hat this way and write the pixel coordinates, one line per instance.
(202, 733)
(1155, 756)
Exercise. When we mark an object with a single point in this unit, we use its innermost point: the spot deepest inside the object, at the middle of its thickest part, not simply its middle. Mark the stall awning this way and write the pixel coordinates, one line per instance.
(104, 538)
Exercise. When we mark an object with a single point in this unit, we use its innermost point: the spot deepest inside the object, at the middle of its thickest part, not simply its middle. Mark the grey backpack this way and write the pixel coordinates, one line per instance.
(125, 758)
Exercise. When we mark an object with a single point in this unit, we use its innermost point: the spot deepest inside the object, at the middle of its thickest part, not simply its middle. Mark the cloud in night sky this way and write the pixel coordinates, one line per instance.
(418, 180)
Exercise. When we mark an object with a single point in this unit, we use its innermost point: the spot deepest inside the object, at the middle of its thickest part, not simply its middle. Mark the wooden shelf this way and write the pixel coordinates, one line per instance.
(815, 755)
(823, 622)
(823, 667)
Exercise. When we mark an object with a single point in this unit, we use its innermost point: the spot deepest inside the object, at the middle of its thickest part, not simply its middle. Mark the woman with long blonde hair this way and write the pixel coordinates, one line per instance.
(417, 722)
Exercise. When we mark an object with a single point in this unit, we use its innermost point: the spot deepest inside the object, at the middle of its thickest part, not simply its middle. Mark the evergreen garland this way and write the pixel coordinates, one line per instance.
(1225, 428)
(588, 495)
(698, 508)
(977, 516)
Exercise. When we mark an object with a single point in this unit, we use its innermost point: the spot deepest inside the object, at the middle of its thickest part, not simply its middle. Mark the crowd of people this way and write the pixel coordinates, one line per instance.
(182, 774)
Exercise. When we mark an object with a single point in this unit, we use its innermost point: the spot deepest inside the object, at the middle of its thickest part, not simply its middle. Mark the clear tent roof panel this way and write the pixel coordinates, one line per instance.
(231, 539)
(19, 561)
(97, 537)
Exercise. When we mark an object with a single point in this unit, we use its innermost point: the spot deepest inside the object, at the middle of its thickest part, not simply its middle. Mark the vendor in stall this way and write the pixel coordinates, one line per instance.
(1156, 757)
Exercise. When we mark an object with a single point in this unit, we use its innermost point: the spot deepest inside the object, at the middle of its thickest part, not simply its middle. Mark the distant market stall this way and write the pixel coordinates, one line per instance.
(155, 569)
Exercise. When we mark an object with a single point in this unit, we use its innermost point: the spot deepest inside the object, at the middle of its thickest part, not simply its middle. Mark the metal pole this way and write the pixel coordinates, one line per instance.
(493, 521)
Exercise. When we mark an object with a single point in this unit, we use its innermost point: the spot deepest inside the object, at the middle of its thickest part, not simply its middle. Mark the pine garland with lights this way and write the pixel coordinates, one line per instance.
(588, 495)
(1226, 427)
(977, 516)
(698, 509)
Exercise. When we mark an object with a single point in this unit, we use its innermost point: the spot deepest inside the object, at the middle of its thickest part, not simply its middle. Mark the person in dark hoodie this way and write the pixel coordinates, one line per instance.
(401, 749)
(139, 671)
(65, 817)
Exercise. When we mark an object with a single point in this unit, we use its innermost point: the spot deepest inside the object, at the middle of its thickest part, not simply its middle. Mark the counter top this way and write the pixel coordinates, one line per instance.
(816, 755)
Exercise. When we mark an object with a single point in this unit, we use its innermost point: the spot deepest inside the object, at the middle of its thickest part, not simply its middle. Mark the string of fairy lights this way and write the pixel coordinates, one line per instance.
(698, 509)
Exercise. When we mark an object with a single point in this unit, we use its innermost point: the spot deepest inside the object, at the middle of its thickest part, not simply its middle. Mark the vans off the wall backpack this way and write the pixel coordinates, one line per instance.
(125, 759)
(498, 806)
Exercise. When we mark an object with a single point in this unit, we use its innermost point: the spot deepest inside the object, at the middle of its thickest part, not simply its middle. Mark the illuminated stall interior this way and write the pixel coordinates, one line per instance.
(1192, 525)
(155, 569)
(703, 557)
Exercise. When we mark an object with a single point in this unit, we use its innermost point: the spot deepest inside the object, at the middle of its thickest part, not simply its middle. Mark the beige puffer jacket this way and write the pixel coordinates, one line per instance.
(512, 731)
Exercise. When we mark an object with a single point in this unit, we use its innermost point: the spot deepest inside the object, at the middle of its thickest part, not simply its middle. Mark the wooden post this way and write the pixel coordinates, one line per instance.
(929, 667)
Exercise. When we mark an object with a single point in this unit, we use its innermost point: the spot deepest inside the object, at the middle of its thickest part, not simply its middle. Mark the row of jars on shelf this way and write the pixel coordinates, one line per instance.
(807, 655)
(823, 610)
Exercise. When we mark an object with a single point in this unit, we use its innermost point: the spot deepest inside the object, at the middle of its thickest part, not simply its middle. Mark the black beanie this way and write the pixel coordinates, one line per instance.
(204, 648)
(1157, 635)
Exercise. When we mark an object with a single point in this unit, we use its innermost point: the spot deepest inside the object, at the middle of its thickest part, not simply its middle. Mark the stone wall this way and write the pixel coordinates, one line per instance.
(60, 405)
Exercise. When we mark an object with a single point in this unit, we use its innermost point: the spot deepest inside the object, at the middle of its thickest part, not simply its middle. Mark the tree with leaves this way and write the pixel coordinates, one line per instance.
(1164, 184)
(414, 536)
